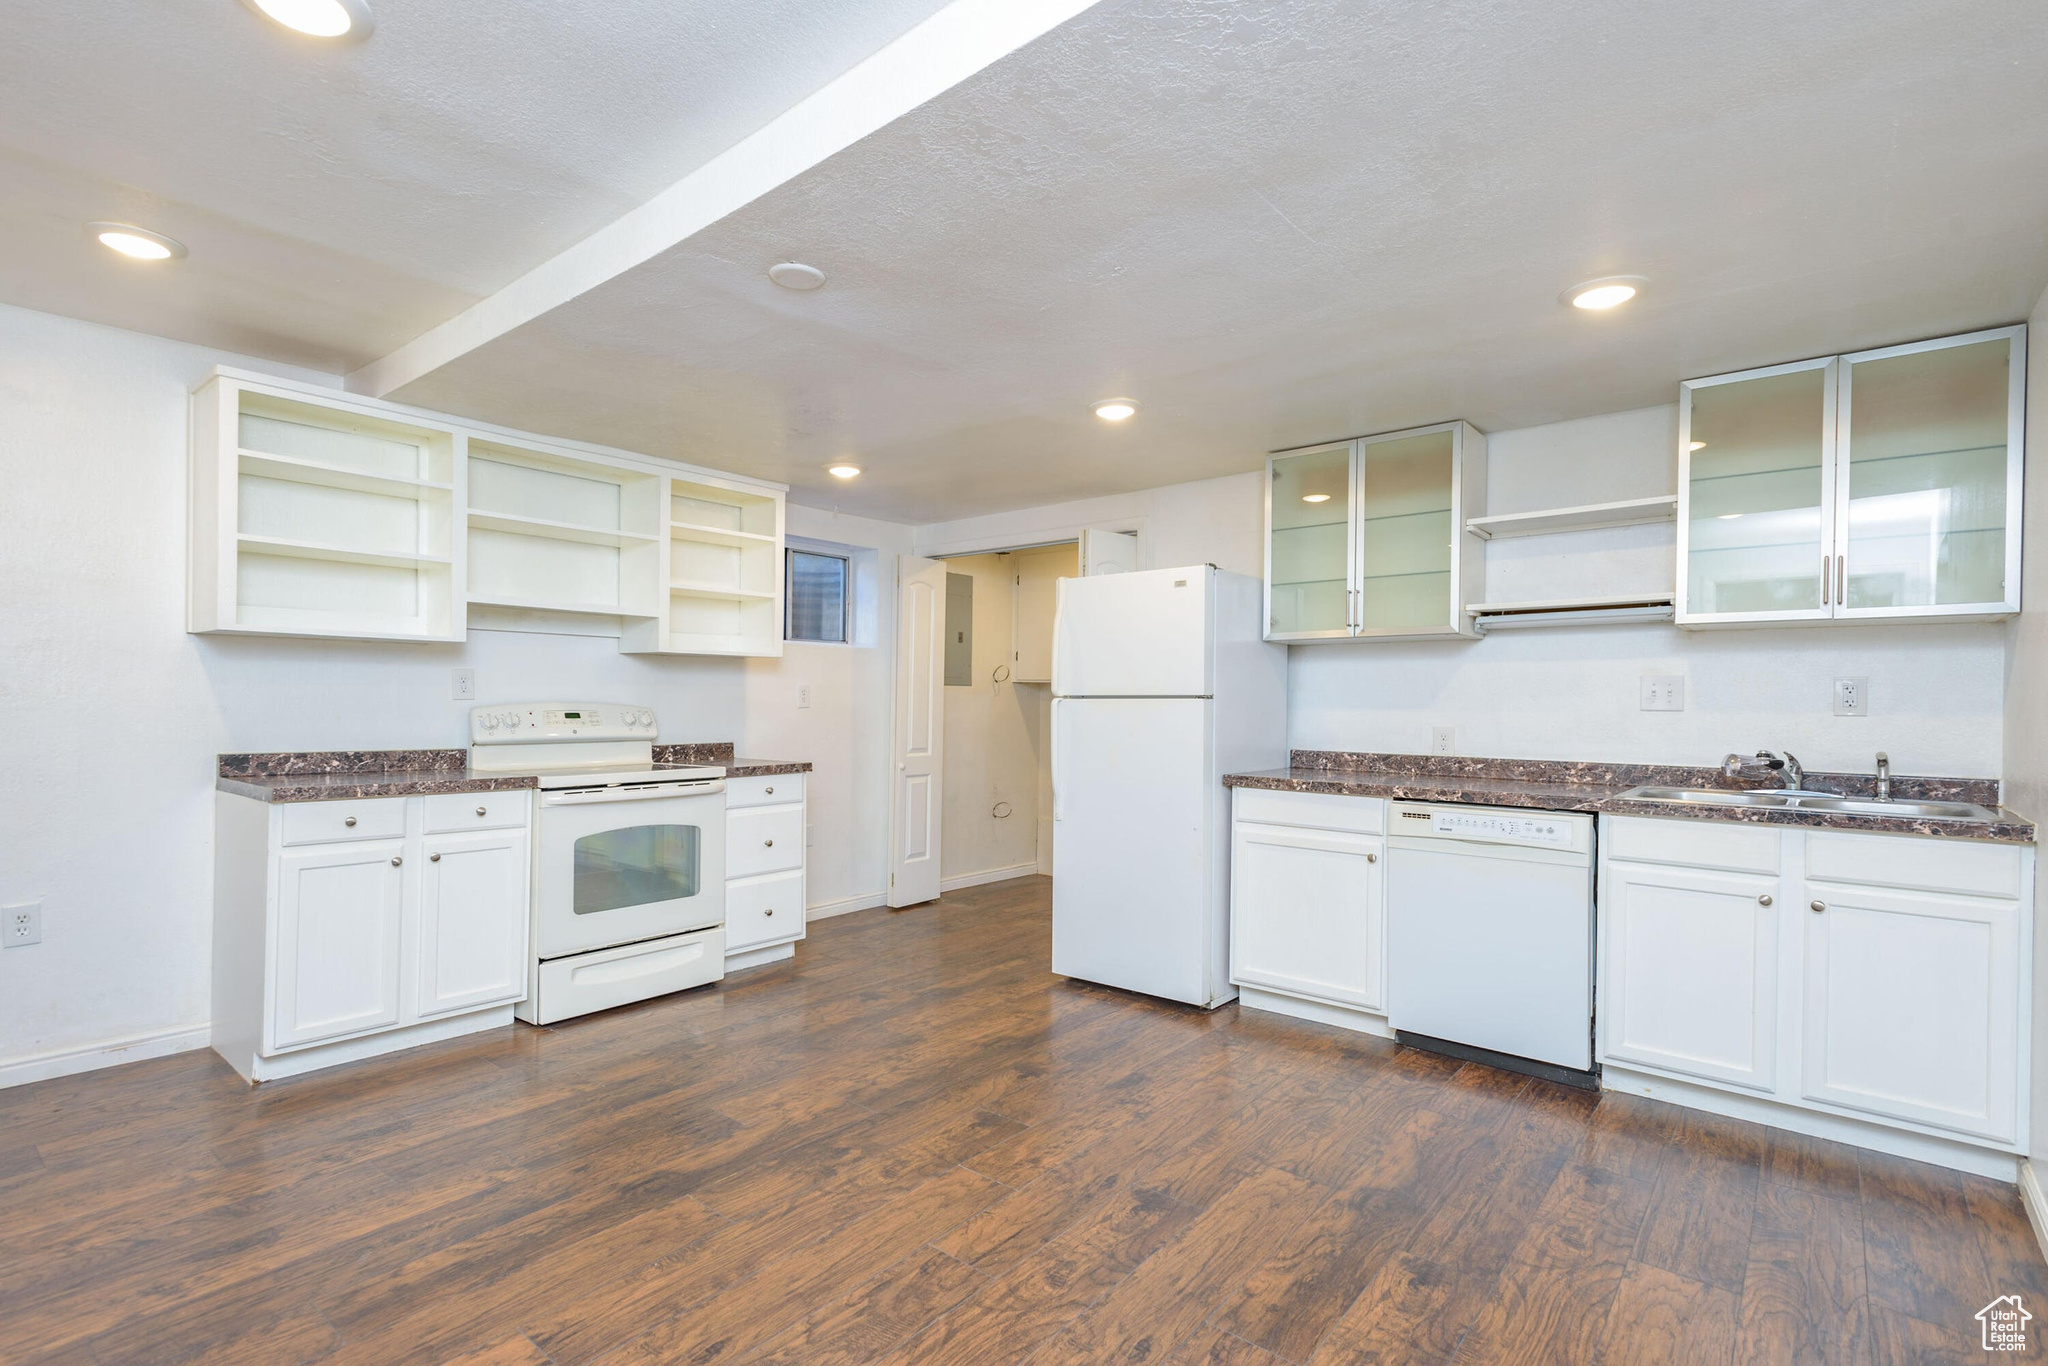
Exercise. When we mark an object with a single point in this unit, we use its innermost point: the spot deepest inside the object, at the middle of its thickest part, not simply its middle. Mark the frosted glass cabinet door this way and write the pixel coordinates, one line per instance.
(1931, 436)
(1757, 471)
(1309, 549)
(1406, 535)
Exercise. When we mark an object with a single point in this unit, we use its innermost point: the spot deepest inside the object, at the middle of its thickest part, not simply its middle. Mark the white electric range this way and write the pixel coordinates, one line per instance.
(628, 855)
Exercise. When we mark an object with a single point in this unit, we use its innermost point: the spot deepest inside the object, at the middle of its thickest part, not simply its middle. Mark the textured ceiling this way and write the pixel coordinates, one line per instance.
(340, 200)
(1279, 221)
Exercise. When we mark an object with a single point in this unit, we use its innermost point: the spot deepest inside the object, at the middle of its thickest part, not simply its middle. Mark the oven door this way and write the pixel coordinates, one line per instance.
(618, 865)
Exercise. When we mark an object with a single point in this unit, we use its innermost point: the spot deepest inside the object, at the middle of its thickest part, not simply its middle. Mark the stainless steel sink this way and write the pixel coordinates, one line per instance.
(1785, 800)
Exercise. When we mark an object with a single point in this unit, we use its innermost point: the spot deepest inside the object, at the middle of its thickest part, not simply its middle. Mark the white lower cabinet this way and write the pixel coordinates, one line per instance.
(330, 947)
(1691, 980)
(1837, 980)
(766, 828)
(1308, 930)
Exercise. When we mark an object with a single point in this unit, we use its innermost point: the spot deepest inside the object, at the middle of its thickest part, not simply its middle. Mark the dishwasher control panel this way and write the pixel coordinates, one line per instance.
(1493, 825)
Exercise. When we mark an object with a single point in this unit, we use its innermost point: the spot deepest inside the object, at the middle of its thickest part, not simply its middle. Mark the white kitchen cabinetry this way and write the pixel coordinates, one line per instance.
(1368, 538)
(323, 514)
(1869, 988)
(766, 827)
(1308, 906)
(1879, 486)
(345, 929)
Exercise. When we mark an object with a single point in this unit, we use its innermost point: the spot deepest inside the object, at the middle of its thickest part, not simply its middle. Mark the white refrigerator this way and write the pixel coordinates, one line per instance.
(1162, 682)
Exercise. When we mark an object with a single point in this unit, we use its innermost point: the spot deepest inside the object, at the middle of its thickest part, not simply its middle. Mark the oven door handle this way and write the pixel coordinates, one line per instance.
(633, 794)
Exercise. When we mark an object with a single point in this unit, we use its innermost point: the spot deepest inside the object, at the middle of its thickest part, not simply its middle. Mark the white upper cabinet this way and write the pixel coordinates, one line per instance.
(314, 513)
(1367, 538)
(1883, 485)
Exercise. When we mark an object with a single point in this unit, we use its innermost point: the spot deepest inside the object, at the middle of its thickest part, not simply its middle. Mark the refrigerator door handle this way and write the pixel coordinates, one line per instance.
(1053, 724)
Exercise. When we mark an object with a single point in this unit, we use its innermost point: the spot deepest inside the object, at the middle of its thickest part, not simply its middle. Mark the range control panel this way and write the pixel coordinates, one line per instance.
(527, 722)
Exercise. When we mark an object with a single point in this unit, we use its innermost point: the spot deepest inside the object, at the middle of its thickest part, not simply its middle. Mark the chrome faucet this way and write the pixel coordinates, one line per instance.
(1788, 769)
(1884, 776)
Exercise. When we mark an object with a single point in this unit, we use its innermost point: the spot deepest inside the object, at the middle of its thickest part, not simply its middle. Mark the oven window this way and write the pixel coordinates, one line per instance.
(635, 867)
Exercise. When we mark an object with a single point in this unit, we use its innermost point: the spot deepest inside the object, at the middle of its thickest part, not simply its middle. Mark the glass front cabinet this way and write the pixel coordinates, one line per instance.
(1880, 486)
(1366, 538)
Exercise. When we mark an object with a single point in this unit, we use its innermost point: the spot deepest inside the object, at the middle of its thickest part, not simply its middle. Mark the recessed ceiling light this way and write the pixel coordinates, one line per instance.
(796, 275)
(843, 471)
(1696, 445)
(1116, 409)
(1315, 497)
(1609, 291)
(348, 19)
(139, 243)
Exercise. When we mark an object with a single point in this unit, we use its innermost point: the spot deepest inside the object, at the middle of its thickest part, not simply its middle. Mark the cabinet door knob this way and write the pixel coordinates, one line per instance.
(769, 911)
(350, 821)
(1372, 858)
(769, 790)
(433, 858)
(481, 812)
(769, 843)
(396, 860)
(1764, 900)
(1819, 906)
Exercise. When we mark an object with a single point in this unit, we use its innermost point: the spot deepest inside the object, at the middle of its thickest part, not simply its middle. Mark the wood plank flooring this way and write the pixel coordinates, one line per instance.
(916, 1145)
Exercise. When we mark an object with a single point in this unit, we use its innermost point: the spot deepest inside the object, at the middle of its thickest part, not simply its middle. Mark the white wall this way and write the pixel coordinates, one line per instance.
(1213, 521)
(2026, 693)
(114, 714)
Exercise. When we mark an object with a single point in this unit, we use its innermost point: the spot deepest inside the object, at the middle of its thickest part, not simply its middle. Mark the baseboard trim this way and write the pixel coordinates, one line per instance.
(1321, 1012)
(846, 905)
(65, 1062)
(965, 880)
(2036, 1203)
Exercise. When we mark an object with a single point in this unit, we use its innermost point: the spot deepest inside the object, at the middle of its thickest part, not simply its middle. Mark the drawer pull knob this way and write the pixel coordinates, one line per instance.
(433, 858)
(1764, 899)
(1819, 906)
(396, 860)
(769, 843)
(769, 911)
(350, 821)
(769, 790)
(481, 812)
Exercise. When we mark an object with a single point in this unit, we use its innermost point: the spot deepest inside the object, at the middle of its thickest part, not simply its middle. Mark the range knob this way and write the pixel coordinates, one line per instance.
(646, 718)
(489, 720)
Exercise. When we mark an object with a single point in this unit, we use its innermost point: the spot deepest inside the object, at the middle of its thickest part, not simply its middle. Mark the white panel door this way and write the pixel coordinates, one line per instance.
(1912, 1006)
(340, 914)
(1132, 906)
(1108, 552)
(920, 731)
(473, 917)
(1690, 981)
(1134, 635)
(1307, 913)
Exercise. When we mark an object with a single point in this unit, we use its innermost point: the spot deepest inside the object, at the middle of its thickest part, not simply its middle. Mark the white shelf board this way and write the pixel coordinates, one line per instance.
(313, 550)
(711, 590)
(718, 535)
(587, 609)
(302, 471)
(480, 520)
(1588, 517)
(1573, 611)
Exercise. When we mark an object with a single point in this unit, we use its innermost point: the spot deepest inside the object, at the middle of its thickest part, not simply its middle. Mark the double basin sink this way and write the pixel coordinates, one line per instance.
(1785, 800)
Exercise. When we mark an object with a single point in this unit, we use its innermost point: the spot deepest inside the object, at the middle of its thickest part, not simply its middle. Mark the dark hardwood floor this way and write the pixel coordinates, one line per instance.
(915, 1145)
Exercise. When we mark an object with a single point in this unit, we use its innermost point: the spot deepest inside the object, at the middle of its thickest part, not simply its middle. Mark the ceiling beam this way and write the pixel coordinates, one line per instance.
(954, 44)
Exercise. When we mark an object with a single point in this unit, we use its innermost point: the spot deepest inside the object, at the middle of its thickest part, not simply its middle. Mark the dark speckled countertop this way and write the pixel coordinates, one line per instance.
(1558, 785)
(334, 775)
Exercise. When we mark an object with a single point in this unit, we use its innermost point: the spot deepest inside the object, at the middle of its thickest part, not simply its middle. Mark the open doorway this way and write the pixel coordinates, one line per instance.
(976, 674)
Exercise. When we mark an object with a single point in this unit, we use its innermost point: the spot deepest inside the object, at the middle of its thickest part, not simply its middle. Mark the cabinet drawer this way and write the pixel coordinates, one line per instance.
(763, 911)
(452, 811)
(367, 818)
(1923, 864)
(767, 840)
(1695, 843)
(772, 790)
(1311, 810)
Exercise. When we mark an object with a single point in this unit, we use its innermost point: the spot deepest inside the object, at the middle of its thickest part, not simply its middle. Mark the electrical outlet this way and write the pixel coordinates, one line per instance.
(462, 685)
(1852, 697)
(1663, 692)
(21, 924)
(803, 694)
(1443, 740)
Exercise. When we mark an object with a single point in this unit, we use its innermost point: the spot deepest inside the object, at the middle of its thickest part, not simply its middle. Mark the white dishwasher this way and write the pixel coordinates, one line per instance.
(1490, 935)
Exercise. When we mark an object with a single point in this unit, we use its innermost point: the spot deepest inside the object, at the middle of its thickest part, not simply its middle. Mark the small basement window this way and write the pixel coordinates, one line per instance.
(816, 590)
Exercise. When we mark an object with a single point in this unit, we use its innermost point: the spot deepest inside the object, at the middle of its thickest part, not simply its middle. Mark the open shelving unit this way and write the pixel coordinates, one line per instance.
(1585, 517)
(321, 519)
(724, 589)
(549, 532)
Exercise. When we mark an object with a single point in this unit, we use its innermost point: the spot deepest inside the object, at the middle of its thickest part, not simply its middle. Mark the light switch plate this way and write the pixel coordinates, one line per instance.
(1852, 697)
(1663, 692)
(462, 685)
(21, 925)
(803, 694)
(1443, 740)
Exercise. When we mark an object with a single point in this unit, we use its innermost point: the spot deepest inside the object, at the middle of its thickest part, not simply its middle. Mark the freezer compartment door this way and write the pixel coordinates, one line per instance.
(1488, 949)
(1132, 900)
(1135, 635)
